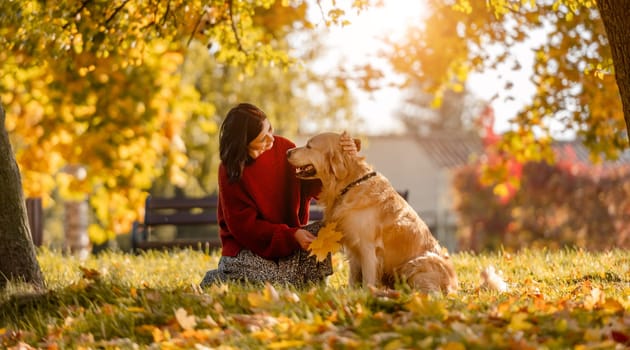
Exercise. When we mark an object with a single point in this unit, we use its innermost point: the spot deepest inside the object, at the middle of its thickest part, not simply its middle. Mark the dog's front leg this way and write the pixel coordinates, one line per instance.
(354, 265)
(370, 266)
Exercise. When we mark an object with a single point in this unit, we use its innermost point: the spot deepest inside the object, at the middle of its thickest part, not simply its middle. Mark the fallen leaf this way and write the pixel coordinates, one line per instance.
(89, 274)
(210, 322)
(593, 299)
(328, 240)
(612, 306)
(519, 322)
(286, 344)
(269, 296)
(185, 321)
(593, 334)
(620, 337)
(135, 309)
(255, 322)
(423, 304)
(201, 335)
(393, 344)
(157, 334)
(453, 346)
(264, 335)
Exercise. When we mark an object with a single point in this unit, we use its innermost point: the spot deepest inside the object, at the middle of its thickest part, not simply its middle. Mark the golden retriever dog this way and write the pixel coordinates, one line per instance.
(384, 239)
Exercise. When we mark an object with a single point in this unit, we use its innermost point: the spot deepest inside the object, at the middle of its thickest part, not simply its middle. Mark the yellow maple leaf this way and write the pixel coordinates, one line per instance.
(187, 322)
(328, 241)
(269, 296)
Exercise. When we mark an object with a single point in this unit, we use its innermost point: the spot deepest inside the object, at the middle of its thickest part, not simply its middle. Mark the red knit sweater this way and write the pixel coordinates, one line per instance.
(262, 210)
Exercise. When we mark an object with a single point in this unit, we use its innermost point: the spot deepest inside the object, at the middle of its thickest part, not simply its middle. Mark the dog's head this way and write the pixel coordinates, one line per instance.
(322, 158)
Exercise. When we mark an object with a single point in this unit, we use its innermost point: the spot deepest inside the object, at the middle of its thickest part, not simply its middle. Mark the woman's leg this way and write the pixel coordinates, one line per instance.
(299, 269)
(245, 267)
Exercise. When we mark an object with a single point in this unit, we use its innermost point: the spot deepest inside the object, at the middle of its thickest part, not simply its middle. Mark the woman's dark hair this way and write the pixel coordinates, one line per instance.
(241, 126)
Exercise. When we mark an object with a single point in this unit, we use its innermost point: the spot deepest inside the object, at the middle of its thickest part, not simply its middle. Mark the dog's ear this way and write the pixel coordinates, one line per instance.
(338, 165)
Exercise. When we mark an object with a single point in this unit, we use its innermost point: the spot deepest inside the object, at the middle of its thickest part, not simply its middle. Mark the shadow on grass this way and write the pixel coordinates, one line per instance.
(92, 309)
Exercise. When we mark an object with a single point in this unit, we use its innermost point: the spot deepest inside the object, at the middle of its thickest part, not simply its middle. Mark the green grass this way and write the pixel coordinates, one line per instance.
(557, 300)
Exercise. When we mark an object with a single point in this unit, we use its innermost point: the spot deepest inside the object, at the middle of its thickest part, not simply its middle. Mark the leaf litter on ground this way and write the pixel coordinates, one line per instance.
(557, 299)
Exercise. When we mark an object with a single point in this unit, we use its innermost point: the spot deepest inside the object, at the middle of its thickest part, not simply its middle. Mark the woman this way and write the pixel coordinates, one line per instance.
(263, 207)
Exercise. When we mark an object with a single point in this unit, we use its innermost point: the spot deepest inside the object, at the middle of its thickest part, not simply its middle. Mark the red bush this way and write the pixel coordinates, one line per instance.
(565, 204)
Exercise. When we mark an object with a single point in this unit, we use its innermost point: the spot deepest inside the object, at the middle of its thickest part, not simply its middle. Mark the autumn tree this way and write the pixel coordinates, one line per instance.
(614, 14)
(573, 71)
(17, 254)
(99, 85)
(580, 71)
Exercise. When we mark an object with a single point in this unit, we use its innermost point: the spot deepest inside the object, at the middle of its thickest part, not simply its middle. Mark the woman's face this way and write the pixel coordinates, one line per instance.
(263, 142)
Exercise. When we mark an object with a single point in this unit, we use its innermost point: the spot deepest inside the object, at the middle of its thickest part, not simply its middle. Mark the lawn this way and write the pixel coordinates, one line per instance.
(557, 300)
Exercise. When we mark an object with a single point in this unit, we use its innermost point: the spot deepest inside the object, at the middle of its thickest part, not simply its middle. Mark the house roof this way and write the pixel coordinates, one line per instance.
(454, 149)
(448, 151)
(575, 150)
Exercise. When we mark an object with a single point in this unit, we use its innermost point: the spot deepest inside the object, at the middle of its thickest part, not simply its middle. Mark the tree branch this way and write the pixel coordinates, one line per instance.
(78, 11)
(118, 9)
(196, 27)
(321, 10)
(168, 9)
(234, 29)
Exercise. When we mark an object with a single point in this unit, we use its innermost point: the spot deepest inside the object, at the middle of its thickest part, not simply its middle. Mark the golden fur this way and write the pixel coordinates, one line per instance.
(384, 239)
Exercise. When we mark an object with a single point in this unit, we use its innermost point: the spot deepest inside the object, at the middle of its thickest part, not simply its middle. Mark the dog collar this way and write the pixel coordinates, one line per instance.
(356, 182)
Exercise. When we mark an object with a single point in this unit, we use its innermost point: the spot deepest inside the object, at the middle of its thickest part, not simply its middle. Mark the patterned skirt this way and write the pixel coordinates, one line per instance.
(300, 269)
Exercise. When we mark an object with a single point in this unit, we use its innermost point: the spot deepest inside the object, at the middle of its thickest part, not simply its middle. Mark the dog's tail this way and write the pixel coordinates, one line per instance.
(430, 273)
(491, 279)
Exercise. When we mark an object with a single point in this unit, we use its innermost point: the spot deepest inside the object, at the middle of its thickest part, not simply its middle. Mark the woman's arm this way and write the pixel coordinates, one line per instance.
(240, 215)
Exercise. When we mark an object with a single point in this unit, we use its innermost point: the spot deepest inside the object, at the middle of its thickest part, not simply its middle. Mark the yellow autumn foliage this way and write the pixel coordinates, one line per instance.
(328, 241)
(100, 86)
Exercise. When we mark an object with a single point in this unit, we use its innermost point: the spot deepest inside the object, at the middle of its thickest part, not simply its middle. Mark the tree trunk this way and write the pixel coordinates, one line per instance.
(616, 14)
(17, 253)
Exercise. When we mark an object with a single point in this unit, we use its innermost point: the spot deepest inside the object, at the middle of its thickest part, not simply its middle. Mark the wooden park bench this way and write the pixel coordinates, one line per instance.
(35, 215)
(197, 215)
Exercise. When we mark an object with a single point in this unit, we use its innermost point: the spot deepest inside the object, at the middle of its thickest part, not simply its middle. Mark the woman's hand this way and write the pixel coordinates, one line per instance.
(349, 145)
(304, 238)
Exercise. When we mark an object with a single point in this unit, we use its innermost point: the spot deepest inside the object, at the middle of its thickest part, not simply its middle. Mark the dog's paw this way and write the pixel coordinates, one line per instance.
(384, 292)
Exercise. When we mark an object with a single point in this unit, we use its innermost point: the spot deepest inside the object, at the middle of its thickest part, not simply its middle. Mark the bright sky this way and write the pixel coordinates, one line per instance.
(359, 43)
